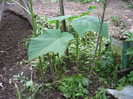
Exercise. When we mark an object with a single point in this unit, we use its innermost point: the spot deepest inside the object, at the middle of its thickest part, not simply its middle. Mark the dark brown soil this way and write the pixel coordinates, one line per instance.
(13, 29)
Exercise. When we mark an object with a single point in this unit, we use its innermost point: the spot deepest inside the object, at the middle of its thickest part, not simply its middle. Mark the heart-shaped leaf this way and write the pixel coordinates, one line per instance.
(49, 40)
(89, 23)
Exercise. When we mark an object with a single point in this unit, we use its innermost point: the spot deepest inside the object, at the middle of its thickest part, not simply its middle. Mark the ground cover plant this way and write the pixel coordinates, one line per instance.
(91, 63)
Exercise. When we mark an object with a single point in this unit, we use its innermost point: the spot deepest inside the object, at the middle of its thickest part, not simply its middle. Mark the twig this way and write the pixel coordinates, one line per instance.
(95, 74)
(94, 58)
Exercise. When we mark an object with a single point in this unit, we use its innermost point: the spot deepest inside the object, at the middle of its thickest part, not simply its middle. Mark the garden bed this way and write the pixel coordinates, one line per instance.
(14, 31)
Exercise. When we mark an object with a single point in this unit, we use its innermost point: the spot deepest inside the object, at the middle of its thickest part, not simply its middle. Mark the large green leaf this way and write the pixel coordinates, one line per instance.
(50, 40)
(89, 23)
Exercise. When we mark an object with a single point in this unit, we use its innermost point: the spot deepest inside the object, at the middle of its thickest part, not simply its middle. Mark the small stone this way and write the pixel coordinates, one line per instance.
(129, 20)
(1, 85)
(131, 29)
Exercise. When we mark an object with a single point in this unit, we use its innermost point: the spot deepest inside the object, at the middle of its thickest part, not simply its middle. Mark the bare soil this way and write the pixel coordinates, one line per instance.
(15, 27)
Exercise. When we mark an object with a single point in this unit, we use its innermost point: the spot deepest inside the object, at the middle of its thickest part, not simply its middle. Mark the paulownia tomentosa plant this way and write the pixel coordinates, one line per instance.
(53, 40)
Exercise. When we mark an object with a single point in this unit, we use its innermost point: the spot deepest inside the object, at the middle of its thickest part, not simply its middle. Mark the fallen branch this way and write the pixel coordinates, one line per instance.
(124, 70)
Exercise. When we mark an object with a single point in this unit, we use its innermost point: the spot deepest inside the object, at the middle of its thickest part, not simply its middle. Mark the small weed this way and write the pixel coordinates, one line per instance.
(130, 77)
(100, 94)
(130, 5)
(126, 80)
(25, 43)
(73, 87)
(122, 6)
(28, 87)
(118, 21)
(114, 19)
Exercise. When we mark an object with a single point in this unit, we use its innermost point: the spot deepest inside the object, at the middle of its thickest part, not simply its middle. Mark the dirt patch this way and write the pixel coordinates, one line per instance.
(116, 8)
(13, 29)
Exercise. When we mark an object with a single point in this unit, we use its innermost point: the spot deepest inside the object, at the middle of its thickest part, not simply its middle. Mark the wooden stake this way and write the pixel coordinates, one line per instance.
(64, 29)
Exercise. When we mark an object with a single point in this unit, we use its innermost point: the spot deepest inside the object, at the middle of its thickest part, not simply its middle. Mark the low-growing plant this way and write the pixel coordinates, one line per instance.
(130, 77)
(122, 82)
(126, 80)
(130, 4)
(122, 6)
(74, 87)
(28, 87)
(100, 94)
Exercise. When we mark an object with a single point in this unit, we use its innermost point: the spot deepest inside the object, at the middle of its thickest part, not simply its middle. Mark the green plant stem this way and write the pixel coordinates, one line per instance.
(50, 65)
(33, 95)
(21, 6)
(33, 20)
(77, 50)
(18, 92)
(31, 74)
(57, 24)
(41, 68)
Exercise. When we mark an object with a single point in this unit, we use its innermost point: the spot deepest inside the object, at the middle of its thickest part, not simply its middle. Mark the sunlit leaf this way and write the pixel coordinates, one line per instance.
(85, 81)
(91, 8)
(85, 91)
(67, 95)
(89, 23)
(52, 40)
(63, 89)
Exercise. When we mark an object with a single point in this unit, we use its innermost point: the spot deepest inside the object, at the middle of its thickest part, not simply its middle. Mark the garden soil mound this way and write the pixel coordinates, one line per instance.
(13, 29)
